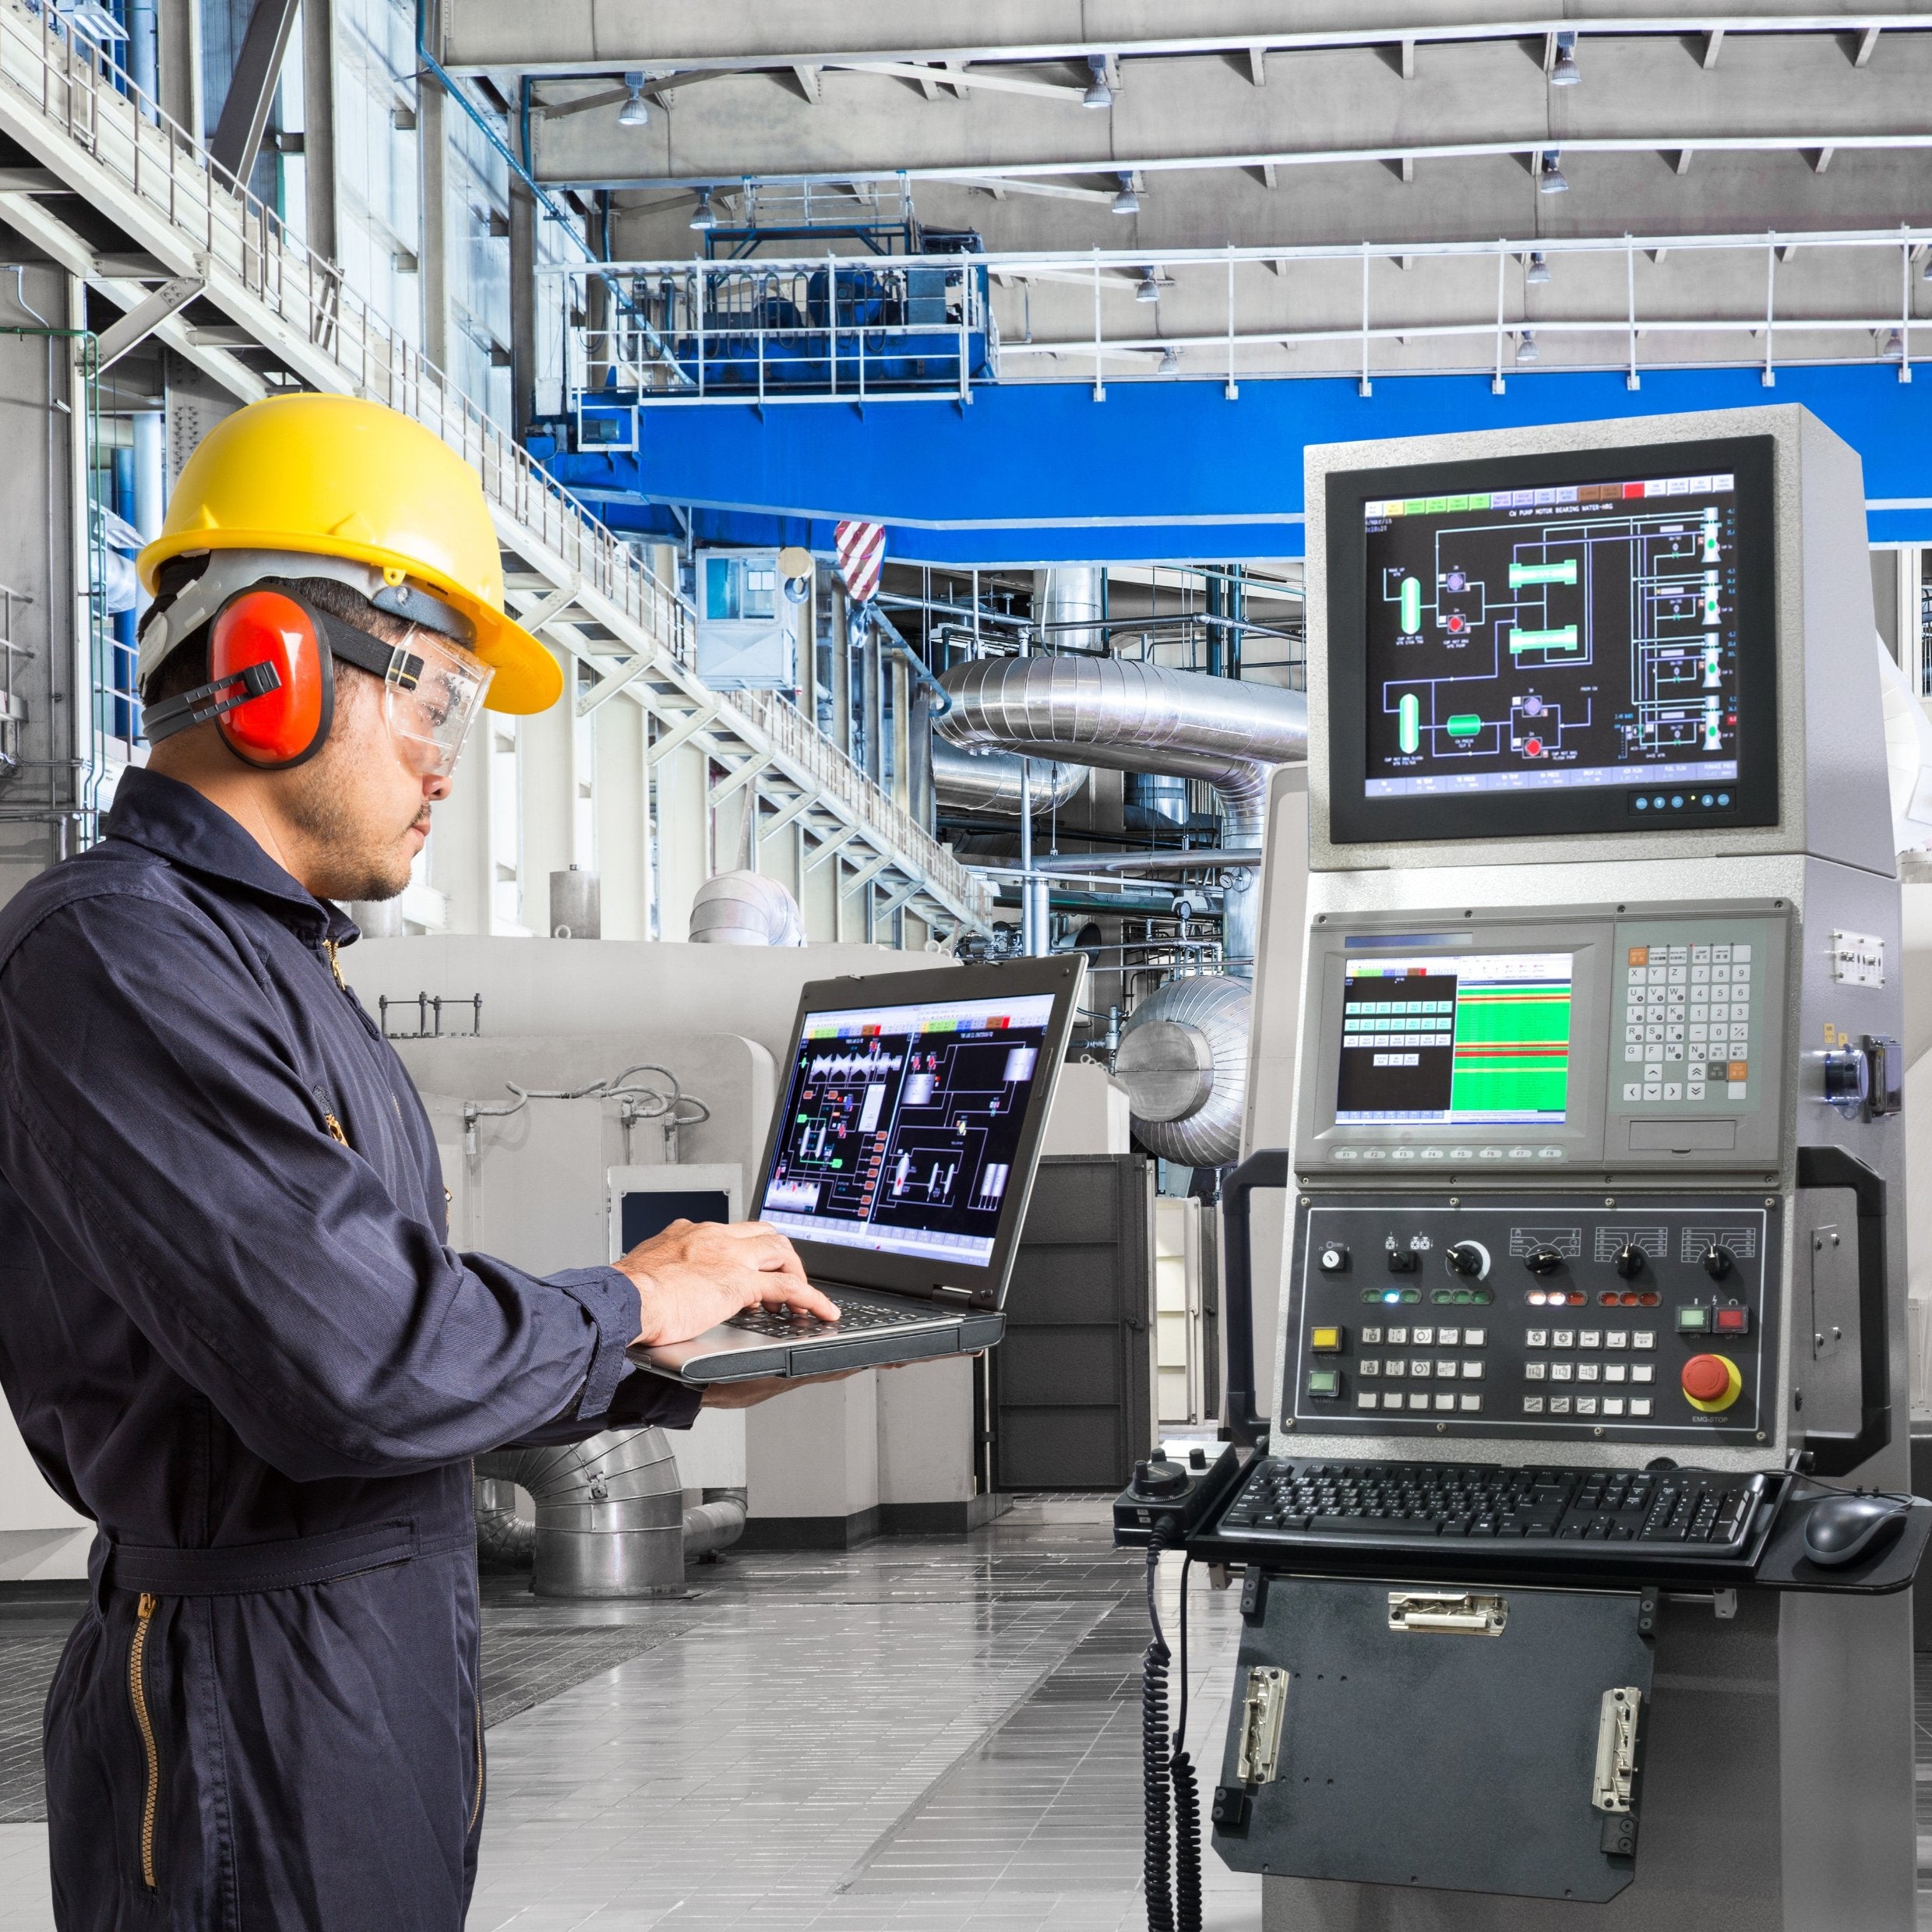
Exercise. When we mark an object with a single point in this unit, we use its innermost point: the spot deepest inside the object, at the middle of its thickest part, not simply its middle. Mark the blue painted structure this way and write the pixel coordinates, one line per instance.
(1043, 473)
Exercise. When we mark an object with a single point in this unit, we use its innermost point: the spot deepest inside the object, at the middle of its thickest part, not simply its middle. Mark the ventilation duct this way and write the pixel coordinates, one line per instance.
(746, 908)
(988, 783)
(1069, 607)
(611, 1519)
(1183, 1059)
(1135, 716)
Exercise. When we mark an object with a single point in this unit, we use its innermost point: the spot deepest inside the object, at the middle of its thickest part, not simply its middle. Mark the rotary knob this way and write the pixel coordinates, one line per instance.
(1718, 1261)
(1629, 1261)
(1542, 1260)
(1466, 1257)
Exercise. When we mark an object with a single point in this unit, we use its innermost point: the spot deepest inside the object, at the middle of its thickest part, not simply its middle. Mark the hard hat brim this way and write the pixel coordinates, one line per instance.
(528, 678)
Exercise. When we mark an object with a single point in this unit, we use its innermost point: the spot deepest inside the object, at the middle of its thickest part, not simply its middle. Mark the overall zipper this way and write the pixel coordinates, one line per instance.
(476, 1809)
(137, 1694)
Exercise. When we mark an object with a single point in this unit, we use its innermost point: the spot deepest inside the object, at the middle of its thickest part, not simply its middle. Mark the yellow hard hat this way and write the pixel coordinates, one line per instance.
(334, 476)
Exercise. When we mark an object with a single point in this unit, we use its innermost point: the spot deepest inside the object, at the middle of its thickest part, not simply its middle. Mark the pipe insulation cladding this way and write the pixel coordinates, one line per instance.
(1183, 1059)
(988, 782)
(745, 908)
(611, 1519)
(1131, 716)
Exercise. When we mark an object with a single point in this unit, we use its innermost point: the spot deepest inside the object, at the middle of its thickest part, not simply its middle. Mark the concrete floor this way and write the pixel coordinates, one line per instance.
(930, 1737)
(926, 1736)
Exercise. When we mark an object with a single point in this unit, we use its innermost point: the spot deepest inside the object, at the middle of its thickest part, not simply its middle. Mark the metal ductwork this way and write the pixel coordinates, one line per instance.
(1138, 717)
(1183, 1059)
(745, 908)
(1069, 604)
(611, 1520)
(988, 783)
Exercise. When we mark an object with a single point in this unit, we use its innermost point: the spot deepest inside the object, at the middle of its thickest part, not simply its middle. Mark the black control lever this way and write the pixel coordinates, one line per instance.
(1268, 1168)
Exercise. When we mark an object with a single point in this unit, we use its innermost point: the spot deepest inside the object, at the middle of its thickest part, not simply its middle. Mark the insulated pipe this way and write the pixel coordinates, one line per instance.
(1183, 1059)
(988, 782)
(745, 908)
(611, 1520)
(1131, 716)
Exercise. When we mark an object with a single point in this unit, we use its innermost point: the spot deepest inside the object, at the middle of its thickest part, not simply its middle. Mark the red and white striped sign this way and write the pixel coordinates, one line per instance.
(861, 551)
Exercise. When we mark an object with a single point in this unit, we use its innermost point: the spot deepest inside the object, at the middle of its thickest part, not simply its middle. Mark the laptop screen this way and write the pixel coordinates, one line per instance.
(902, 1123)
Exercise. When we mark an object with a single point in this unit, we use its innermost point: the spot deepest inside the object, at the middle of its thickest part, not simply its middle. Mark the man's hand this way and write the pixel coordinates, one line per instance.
(697, 1274)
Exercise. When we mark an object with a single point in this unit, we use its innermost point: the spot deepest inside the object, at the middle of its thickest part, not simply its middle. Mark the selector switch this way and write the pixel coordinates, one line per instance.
(1718, 1261)
(1629, 1261)
(1467, 1257)
(1712, 1383)
(1332, 1257)
(1542, 1260)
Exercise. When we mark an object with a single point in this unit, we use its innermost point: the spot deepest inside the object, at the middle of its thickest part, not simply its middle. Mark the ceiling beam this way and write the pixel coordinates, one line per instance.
(492, 36)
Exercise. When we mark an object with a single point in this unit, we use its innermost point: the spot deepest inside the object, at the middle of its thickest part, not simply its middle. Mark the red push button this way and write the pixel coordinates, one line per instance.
(1712, 1383)
(1733, 1321)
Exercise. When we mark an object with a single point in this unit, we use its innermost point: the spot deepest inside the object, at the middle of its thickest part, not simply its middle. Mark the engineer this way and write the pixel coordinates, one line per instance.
(232, 1329)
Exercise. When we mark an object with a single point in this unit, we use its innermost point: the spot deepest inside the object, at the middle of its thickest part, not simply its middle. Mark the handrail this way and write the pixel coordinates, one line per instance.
(335, 340)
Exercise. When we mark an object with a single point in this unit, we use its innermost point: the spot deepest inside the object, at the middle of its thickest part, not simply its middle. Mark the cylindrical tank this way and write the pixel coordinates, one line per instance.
(1183, 1059)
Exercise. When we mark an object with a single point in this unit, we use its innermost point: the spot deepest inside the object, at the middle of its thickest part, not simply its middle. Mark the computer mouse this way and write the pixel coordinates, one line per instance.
(1842, 1529)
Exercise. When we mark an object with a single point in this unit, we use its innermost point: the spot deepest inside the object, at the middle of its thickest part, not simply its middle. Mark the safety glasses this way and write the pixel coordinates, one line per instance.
(430, 695)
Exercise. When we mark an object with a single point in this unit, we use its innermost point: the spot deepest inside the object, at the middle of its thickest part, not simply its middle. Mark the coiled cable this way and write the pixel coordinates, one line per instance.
(1171, 1845)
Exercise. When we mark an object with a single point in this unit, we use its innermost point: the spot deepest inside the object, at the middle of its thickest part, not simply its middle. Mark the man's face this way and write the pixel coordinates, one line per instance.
(361, 806)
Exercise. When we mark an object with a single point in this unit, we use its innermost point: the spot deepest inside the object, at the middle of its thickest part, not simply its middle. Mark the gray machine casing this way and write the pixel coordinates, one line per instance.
(1777, 1775)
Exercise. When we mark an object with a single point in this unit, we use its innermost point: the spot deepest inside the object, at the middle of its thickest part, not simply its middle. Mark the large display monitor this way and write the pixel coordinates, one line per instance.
(1582, 642)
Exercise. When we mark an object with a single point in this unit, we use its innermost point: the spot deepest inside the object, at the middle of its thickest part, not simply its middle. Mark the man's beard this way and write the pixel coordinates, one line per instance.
(363, 863)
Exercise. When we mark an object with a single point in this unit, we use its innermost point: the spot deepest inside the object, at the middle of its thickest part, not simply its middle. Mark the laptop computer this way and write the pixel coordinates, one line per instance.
(900, 1161)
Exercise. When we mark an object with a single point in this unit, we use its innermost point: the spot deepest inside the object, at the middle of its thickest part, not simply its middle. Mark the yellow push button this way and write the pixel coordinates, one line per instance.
(1325, 1341)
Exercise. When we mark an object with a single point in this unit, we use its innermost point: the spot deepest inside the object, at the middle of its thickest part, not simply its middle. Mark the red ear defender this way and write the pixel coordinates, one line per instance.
(289, 721)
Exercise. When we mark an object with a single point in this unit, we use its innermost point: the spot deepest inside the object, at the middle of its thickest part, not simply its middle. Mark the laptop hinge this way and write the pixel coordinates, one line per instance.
(953, 1294)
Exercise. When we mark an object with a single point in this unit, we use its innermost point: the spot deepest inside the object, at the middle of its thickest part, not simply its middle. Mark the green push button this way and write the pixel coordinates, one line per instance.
(1324, 1382)
(1693, 1321)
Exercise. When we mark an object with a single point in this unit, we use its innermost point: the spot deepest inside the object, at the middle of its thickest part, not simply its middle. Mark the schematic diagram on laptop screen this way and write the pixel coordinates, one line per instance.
(902, 1125)
(1456, 1041)
(1529, 640)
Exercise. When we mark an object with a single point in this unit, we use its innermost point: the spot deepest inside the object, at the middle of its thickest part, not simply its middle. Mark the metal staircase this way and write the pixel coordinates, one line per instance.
(101, 161)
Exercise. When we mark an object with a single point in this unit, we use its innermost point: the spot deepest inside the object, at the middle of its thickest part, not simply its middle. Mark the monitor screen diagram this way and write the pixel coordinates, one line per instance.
(902, 1124)
(1576, 635)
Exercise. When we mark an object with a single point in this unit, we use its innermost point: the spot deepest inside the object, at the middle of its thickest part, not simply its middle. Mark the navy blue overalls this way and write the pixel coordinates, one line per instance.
(232, 1335)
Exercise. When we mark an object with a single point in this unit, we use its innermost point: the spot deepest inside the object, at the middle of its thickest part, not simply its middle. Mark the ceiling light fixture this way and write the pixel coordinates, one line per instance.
(1526, 348)
(1126, 202)
(635, 111)
(1893, 350)
(1098, 93)
(704, 216)
(1169, 360)
(1147, 289)
(1564, 70)
(1539, 269)
(1549, 177)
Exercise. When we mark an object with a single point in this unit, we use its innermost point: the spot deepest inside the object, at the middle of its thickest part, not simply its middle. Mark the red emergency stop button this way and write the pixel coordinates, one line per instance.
(1712, 1383)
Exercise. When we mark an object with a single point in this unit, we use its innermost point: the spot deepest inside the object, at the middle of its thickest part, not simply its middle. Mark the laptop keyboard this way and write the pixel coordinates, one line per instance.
(786, 1323)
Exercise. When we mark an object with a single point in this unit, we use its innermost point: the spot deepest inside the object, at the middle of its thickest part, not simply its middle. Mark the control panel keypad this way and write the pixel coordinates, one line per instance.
(1687, 1014)
(1694, 1273)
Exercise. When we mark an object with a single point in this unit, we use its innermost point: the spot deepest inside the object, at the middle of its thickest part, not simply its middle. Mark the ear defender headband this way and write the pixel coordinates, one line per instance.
(272, 685)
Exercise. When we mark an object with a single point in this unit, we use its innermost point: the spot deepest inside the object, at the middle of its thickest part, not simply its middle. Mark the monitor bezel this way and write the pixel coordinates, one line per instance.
(1061, 975)
(1355, 818)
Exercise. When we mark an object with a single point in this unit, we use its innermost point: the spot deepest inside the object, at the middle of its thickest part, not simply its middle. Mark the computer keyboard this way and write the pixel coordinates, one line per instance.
(1691, 1512)
(794, 1324)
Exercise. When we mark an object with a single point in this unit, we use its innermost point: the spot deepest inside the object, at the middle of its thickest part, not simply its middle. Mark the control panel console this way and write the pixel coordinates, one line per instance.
(1545, 1318)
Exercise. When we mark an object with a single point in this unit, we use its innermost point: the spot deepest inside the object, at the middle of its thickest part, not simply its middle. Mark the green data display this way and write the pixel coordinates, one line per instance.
(1456, 1041)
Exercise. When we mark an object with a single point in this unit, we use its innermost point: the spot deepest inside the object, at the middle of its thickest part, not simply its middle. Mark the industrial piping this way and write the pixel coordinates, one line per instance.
(1132, 716)
(988, 782)
(611, 1520)
(1183, 1059)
